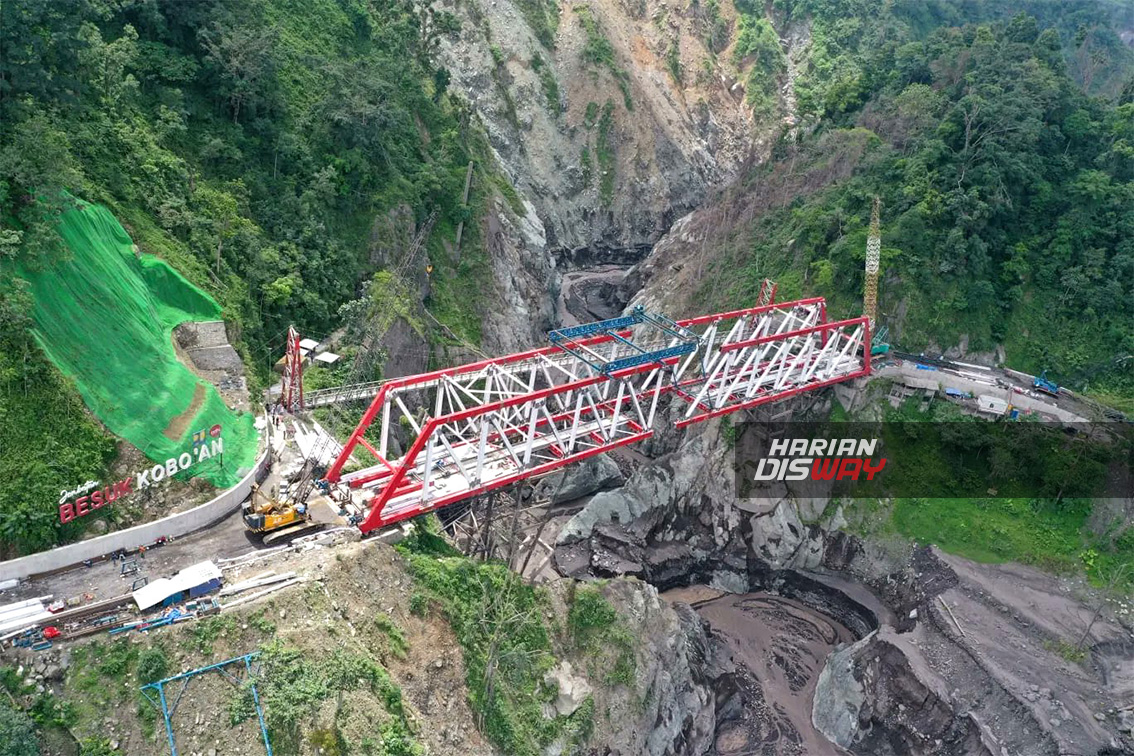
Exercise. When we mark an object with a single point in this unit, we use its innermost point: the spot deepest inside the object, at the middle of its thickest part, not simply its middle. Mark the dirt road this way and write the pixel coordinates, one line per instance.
(103, 579)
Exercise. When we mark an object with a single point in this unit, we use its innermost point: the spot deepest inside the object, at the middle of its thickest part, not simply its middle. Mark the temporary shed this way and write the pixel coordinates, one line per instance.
(992, 405)
(191, 582)
(327, 358)
(309, 345)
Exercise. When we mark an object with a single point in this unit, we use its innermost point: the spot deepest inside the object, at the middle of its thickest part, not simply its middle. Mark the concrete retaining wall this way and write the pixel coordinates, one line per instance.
(140, 535)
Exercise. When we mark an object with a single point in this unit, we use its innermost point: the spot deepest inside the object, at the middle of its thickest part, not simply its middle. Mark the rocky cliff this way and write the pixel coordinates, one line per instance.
(611, 118)
(541, 88)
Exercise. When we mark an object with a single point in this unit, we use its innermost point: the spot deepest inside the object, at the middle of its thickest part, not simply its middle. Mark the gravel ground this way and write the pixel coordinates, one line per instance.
(103, 579)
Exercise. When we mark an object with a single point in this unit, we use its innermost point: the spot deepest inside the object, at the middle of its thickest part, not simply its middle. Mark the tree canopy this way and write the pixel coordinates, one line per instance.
(253, 144)
(1008, 191)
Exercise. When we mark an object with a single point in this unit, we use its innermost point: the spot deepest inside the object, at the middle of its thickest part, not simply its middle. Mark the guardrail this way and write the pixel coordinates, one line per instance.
(175, 525)
(353, 392)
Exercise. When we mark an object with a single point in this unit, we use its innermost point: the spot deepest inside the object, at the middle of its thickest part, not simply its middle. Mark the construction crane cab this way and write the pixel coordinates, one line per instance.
(275, 519)
(1041, 383)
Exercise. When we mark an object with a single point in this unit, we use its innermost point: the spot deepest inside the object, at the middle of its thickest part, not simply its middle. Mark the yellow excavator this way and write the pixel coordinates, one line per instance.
(276, 519)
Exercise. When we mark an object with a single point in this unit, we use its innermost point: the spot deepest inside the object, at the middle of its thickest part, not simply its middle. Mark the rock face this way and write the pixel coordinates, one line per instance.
(405, 349)
(951, 657)
(678, 520)
(590, 476)
(678, 670)
(839, 697)
(670, 140)
(573, 690)
(609, 118)
(871, 700)
(524, 279)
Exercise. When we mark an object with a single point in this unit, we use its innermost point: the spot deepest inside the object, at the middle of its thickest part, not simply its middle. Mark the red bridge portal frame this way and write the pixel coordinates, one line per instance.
(482, 426)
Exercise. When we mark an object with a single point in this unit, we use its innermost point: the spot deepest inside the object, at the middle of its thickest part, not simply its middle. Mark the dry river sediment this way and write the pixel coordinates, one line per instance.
(782, 644)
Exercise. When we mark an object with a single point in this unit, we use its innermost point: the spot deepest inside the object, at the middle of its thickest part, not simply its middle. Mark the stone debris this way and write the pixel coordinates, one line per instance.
(573, 689)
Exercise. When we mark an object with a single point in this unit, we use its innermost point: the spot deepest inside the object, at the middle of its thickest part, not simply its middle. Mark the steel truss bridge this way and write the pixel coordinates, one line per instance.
(456, 433)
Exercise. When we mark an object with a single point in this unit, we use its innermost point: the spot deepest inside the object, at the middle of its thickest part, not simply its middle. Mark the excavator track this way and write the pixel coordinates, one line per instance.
(290, 532)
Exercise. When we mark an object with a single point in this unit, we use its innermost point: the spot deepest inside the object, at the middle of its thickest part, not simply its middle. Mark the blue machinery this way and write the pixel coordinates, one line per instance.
(168, 711)
(566, 339)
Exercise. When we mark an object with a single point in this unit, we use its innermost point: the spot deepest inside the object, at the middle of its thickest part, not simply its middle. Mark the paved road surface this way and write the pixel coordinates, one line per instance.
(226, 539)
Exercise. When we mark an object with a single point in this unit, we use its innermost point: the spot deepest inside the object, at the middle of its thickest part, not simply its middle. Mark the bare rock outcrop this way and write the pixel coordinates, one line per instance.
(961, 658)
(669, 140)
(609, 119)
(678, 670)
(679, 520)
(870, 699)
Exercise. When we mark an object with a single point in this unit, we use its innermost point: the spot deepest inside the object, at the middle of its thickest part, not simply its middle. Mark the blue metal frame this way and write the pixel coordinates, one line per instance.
(689, 340)
(646, 357)
(591, 329)
(168, 711)
(665, 324)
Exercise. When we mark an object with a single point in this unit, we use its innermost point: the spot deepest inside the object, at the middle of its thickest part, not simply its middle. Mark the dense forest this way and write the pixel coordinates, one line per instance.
(1003, 153)
(260, 147)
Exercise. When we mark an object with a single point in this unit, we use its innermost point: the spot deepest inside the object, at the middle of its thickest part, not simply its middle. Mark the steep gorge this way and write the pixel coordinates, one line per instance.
(611, 119)
(630, 139)
(691, 175)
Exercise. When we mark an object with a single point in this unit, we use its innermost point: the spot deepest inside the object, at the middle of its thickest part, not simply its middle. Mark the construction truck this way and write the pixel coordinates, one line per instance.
(276, 518)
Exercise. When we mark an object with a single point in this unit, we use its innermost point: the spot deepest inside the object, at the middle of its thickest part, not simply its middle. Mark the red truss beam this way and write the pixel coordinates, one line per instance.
(482, 426)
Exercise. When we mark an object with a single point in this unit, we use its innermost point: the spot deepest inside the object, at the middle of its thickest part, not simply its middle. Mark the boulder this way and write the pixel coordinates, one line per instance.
(573, 690)
(595, 474)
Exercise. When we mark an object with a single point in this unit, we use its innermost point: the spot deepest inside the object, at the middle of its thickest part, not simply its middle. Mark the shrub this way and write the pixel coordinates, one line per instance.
(17, 733)
(153, 665)
(398, 643)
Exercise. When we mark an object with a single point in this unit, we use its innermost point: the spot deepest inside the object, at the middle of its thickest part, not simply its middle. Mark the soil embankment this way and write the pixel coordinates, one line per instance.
(178, 425)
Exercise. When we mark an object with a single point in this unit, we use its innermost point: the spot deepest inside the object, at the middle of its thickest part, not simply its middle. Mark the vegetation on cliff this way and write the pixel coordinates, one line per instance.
(1007, 191)
(256, 145)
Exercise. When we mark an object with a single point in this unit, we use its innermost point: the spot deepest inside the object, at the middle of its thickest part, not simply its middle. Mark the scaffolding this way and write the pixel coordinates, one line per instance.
(155, 693)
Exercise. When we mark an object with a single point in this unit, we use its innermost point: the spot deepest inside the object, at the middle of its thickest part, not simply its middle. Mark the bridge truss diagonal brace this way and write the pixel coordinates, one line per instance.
(482, 426)
(768, 368)
(482, 448)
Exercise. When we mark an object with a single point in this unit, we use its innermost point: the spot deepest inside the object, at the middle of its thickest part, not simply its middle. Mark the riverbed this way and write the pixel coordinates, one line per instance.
(780, 645)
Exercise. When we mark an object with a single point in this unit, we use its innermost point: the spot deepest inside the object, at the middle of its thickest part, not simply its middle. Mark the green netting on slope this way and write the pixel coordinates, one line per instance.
(105, 318)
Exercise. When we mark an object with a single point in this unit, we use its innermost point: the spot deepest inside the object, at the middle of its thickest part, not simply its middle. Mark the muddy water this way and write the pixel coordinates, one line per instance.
(783, 645)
